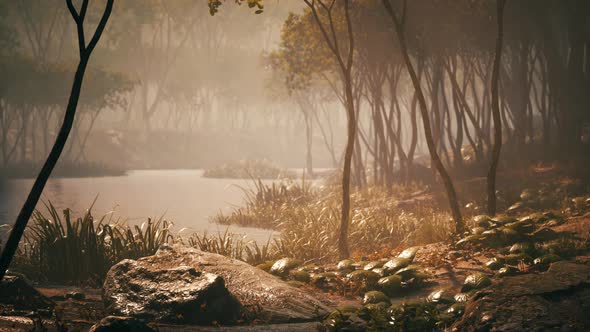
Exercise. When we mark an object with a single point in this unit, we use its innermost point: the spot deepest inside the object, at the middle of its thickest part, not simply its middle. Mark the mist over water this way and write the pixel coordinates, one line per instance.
(183, 197)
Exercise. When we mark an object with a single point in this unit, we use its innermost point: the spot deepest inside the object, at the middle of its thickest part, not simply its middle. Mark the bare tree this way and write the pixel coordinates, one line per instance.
(447, 181)
(85, 52)
(345, 62)
(497, 145)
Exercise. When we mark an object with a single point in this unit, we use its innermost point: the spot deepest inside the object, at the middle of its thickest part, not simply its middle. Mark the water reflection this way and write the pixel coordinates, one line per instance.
(182, 196)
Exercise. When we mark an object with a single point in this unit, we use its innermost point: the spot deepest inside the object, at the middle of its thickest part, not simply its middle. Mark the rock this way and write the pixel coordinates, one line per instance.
(374, 297)
(17, 294)
(373, 265)
(441, 296)
(261, 295)
(395, 265)
(495, 263)
(283, 266)
(476, 281)
(168, 294)
(409, 253)
(390, 285)
(300, 276)
(369, 278)
(345, 265)
(121, 324)
(556, 299)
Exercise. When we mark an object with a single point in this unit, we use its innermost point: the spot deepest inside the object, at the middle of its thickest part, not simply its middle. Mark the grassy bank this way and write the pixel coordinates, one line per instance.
(248, 169)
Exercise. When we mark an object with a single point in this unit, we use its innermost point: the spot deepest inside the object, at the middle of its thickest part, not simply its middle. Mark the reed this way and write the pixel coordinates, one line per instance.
(60, 248)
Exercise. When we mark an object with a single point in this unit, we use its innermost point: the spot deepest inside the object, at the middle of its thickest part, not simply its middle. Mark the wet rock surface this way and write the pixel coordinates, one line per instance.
(179, 294)
(180, 277)
(556, 299)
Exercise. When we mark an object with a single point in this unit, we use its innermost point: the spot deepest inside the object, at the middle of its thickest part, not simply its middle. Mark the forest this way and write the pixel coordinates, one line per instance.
(294, 165)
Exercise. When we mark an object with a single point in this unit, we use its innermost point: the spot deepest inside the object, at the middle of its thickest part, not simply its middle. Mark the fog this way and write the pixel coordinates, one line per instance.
(170, 86)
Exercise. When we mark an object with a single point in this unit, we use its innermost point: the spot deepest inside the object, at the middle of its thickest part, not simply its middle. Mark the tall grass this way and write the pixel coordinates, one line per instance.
(308, 219)
(60, 248)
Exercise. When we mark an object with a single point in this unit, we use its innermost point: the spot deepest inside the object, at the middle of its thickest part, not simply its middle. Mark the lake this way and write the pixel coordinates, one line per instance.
(182, 196)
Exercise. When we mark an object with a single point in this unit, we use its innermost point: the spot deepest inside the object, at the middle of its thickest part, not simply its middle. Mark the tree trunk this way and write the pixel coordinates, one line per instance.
(62, 137)
(447, 181)
(497, 146)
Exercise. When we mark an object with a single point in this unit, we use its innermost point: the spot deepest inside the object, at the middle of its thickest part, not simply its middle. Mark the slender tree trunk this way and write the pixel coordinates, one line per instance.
(62, 137)
(345, 65)
(497, 147)
(447, 181)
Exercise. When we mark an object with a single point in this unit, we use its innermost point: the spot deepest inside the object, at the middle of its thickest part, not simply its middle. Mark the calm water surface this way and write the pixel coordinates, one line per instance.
(182, 196)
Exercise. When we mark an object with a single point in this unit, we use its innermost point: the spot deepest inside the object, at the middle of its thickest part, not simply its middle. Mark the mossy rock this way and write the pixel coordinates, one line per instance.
(481, 218)
(503, 219)
(547, 259)
(462, 297)
(409, 253)
(345, 265)
(301, 276)
(377, 307)
(373, 265)
(509, 235)
(390, 285)
(495, 263)
(395, 265)
(311, 268)
(379, 271)
(470, 239)
(515, 259)
(507, 271)
(375, 297)
(321, 280)
(413, 316)
(283, 266)
(515, 207)
(441, 296)
(369, 278)
(457, 309)
(411, 272)
(265, 266)
(522, 227)
(476, 281)
(523, 248)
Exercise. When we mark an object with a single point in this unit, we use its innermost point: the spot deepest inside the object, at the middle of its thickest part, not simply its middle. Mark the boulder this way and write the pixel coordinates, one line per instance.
(558, 298)
(177, 278)
(181, 294)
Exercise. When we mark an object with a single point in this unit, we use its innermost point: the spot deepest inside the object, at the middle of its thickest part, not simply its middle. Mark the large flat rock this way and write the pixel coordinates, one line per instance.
(261, 296)
(181, 294)
(557, 299)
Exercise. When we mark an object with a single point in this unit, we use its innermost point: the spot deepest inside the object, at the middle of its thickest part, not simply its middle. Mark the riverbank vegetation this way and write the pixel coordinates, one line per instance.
(248, 169)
